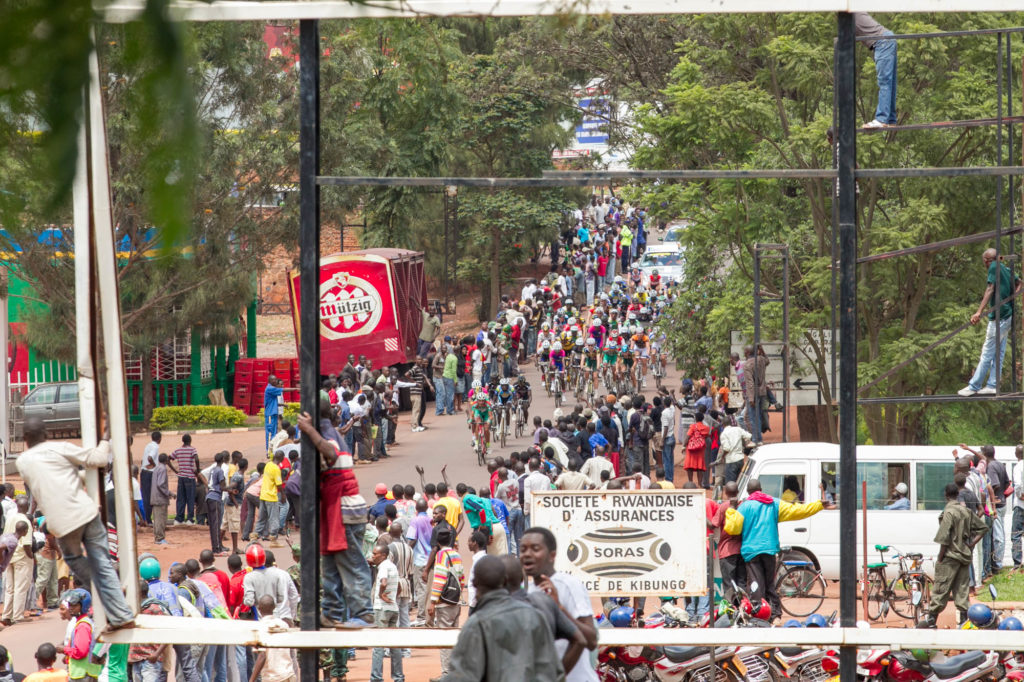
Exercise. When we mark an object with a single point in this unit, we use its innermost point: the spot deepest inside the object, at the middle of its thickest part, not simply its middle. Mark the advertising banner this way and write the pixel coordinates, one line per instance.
(623, 543)
(358, 313)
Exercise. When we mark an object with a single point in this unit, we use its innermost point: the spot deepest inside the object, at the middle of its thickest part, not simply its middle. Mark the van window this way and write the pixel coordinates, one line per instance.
(932, 478)
(881, 478)
(785, 481)
(46, 395)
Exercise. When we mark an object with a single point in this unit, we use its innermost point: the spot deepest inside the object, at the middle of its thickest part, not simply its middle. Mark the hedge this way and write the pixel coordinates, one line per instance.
(196, 417)
(291, 412)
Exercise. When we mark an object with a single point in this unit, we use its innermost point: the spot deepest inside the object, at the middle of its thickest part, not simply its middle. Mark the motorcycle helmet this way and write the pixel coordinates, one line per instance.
(255, 556)
(920, 655)
(793, 623)
(1011, 623)
(761, 611)
(815, 620)
(980, 615)
(621, 617)
(149, 569)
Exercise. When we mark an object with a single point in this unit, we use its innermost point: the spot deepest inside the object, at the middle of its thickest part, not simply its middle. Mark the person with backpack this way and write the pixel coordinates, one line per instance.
(445, 592)
(696, 444)
(146, 660)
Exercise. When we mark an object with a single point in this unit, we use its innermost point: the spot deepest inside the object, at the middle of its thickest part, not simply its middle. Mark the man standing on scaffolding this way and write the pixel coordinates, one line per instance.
(1007, 292)
(884, 52)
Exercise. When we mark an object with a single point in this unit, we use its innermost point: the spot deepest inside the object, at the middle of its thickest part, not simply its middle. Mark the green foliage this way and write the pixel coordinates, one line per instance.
(756, 92)
(196, 417)
(44, 53)
(291, 412)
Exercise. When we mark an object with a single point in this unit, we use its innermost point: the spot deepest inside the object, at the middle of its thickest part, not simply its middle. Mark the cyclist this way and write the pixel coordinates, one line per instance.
(524, 395)
(626, 355)
(635, 278)
(588, 363)
(503, 397)
(544, 359)
(640, 343)
(557, 363)
(611, 356)
(597, 331)
(481, 416)
(655, 280)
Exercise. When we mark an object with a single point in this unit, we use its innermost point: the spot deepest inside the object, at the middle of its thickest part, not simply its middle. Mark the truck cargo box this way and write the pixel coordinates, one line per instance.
(370, 304)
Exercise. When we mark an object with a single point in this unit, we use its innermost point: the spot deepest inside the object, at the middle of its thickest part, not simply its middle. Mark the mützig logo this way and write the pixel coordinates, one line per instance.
(349, 306)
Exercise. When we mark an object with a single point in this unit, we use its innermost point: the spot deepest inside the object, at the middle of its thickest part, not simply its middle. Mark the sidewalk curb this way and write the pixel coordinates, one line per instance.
(204, 432)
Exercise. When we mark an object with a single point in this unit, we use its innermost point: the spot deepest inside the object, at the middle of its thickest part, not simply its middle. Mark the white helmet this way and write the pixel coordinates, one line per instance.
(558, 345)
(546, 345)
(576, 328)
(571, 321)
(596, 321)
(631, 316)
(504, 381)
(591, 341)
(476, 383)
(545, 326)
(618, 279)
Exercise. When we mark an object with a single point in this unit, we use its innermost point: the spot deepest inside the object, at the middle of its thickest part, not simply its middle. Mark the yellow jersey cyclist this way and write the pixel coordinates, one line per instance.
(641, 345)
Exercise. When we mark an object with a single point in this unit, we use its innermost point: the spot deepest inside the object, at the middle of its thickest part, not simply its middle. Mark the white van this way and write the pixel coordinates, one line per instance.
(805, 470)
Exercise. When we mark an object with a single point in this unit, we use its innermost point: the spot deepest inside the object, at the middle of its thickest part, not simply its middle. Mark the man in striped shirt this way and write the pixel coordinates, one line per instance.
(416, 378)
(187, 460)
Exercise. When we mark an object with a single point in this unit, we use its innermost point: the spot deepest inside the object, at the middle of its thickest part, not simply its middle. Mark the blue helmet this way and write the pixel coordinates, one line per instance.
(621, 617)
(981, 615)
(793, 623)
(1011, 623)
(815, 620)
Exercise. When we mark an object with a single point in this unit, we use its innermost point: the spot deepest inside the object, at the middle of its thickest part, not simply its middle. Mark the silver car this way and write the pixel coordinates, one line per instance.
(56, 405)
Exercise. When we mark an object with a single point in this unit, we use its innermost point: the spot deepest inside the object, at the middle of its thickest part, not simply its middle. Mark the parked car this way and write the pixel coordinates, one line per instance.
(56, 405)
(666, 259)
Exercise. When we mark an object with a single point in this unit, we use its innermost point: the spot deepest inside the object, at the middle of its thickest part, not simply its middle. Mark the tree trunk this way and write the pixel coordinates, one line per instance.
(495, 269)
(147, 386)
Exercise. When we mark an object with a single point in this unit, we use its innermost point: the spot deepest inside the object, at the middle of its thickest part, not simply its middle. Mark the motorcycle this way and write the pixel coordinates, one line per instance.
(803, 664)
(624, 663)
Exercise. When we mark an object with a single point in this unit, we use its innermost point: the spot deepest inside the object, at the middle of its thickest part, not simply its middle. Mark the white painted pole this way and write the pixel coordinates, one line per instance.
(110, 319)
(83, 328)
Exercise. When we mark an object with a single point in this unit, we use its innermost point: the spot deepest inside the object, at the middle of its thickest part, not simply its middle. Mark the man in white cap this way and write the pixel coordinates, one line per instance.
(900, 501)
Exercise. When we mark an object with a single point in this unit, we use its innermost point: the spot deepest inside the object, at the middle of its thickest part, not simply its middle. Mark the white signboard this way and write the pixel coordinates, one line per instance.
(803, 381)
(628, 542)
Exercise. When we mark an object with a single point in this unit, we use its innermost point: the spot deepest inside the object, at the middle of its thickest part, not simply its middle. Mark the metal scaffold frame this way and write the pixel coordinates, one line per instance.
(847, 637)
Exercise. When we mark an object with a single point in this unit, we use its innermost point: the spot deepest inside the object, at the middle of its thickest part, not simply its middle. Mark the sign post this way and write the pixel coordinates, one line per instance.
(621, 543)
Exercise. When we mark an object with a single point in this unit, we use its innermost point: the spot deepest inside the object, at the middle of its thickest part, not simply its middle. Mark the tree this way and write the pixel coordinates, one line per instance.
(755, 92)
(245, 109)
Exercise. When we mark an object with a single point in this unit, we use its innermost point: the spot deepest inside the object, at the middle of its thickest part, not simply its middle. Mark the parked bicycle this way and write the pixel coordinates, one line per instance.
(907, 594)
(800, 586)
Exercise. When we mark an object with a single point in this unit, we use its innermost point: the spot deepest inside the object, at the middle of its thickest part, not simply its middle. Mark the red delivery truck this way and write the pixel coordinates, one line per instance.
(370, 304)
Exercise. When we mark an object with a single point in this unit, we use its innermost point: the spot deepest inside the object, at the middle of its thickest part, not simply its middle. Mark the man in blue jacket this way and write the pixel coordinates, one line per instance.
(272, 397)
(757, 520)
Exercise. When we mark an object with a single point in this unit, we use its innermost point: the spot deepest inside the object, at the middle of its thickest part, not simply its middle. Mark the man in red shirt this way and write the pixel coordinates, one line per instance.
(730, 561)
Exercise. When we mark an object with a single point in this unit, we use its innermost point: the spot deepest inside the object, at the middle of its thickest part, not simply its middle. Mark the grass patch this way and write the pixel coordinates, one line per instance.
(1009, 586)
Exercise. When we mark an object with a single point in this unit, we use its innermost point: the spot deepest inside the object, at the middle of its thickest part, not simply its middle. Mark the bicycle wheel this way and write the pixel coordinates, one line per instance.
(921, 608)
(901, 591)
(877, 595)
(501, 426)
(801, 590)
(519, 422)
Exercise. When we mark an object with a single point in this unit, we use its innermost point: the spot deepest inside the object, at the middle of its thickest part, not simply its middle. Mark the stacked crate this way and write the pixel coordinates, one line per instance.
(251, 375)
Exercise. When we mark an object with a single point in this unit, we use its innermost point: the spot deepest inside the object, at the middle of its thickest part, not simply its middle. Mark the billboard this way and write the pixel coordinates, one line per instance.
(621, 543)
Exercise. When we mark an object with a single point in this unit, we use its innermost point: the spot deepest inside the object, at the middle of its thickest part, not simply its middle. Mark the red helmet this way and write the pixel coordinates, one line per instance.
(255, 556)
(760, 611)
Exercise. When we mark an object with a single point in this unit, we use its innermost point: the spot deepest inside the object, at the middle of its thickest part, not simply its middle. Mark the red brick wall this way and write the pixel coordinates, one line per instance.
(273, 281)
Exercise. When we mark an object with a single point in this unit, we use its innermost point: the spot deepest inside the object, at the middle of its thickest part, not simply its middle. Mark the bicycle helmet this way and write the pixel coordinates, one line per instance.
(521, 378)
(558, 345)
(621, 616)
(149, 569)
(571, 321)
(545, 326)
(793, 623)
(255, 557)
(1011, 623)
(815, 620)
(596, 322)
(504, 381)
(591, 341)
(654, 271)
(476, 384)
(544, 346)
(981, 615)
